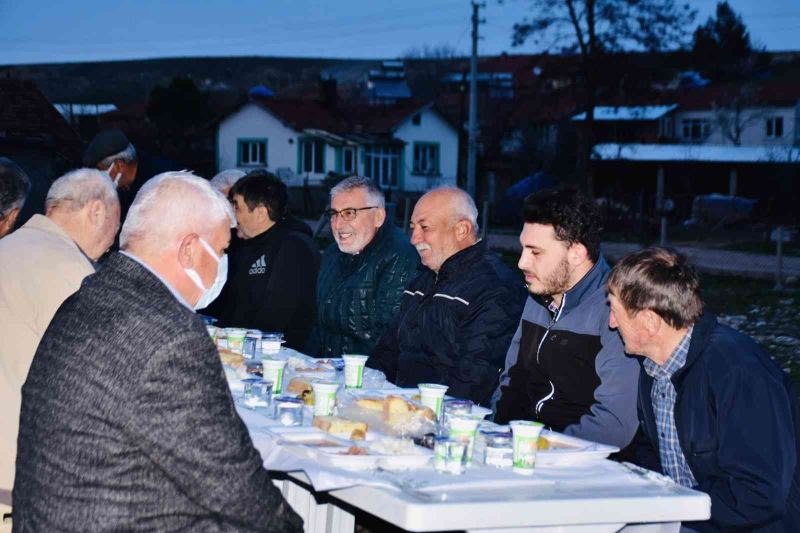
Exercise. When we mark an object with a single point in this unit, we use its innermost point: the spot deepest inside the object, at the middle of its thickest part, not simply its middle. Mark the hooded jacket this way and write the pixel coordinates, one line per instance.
(568, 369)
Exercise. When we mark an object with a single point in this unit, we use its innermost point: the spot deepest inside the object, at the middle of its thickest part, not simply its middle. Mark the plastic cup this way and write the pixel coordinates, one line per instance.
(432, 395)
(257, 394)
(526, 442)
(464, 428)
(354, 370)
(236, 339)
(272, 370)
(256, 334)
(289, 411)
(324, 397)
(271, 342)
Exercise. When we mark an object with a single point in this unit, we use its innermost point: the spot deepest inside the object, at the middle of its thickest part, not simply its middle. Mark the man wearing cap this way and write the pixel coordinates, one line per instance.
(112, 152)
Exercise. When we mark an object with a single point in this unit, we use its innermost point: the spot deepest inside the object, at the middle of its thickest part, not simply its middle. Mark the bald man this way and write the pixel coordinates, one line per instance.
(458, 315)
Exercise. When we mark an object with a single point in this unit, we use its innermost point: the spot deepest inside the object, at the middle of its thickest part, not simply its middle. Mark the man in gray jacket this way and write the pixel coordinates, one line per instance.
(127, 423)
(565, 368)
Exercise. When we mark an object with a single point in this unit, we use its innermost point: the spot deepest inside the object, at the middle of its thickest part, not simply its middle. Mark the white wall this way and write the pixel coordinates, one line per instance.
(432, 128)
(252, 121)
(754, 121)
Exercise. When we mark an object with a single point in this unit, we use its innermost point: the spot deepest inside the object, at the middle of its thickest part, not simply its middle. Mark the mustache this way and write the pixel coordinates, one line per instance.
(422, 246)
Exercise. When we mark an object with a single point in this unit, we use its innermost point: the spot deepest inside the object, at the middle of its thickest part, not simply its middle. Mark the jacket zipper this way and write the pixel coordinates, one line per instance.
(549, 396)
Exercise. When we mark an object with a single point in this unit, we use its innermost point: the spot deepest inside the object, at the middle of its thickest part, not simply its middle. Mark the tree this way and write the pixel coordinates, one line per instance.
(736, 110)
(721, 47)
(594, 29)
(178, 106)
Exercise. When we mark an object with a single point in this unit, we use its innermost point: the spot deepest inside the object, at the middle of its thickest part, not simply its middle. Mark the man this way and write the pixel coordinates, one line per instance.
(565, 367)
(14, 189)
(226, 179)
(720, 415)
(363, 274)
(459, 313)
(273, 269)
(127, 421)
(43, 263)
(111, 152)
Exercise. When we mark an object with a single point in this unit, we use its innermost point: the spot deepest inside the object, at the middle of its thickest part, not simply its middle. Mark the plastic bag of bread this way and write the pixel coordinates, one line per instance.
(393, 414)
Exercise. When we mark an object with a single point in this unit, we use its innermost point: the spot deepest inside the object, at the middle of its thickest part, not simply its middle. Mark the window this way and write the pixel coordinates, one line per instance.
(775, 127)
(417, 119)
(426, 159)
(696, 128)
(349, 160)
(382, 164)
(252, 152)
(312, 156)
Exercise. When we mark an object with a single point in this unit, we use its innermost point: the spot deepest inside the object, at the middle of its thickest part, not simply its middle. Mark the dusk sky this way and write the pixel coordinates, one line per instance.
(36, 31)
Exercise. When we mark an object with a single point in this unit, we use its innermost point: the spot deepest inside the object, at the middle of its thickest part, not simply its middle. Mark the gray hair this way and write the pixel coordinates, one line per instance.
(77, 188)
(360, 182)
(170, 206)
(226, 179)
(462, 207)
(128, 155)
(14, 186)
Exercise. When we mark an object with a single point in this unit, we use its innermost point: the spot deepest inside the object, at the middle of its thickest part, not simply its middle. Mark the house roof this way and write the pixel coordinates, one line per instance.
(763, 94)
(628, 113)
(28, 116)
(696, 153)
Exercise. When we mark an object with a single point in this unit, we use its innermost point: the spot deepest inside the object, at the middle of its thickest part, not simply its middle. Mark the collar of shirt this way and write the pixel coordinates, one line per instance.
(175, 293)
(675, 361)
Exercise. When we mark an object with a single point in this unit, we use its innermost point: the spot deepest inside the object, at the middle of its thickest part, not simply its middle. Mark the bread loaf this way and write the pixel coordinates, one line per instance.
(334, 424)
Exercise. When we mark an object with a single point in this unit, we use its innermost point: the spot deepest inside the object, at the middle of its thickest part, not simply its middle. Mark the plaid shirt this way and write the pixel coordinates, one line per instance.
(663, 397)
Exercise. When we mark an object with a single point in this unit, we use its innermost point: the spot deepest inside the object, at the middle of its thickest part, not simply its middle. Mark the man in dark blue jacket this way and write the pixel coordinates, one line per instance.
(565, 367)
(458, 315)
(720, 416)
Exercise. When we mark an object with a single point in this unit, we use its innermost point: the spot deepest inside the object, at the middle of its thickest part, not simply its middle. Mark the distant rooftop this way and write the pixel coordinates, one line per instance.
(84, 109)
(697, 153)
(628, 113)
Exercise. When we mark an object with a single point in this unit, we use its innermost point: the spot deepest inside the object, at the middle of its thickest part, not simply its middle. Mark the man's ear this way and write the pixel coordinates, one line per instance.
(262, 213)
(463, 230)
(652, 322)
(577, 254)
(187, 249)
(97, 211)
(380, 217)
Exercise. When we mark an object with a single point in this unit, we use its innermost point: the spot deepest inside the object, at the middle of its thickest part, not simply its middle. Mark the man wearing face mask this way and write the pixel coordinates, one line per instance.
(127, 422)
(41, 264)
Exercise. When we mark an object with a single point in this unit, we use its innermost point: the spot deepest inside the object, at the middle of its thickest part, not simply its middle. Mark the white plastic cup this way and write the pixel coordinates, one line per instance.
(526, 443)
(432, 395)
(236, 339)
(464, 428)
(272, 370)
(324, 397)
(354, 370)
(271, 342)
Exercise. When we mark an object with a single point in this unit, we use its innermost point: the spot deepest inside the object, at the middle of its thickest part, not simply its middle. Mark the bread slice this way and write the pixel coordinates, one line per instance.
(298, 386)
(373, 404)
(335, 424)
(396, 404)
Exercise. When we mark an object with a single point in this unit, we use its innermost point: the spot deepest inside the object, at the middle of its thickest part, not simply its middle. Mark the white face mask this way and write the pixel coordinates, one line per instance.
(210, 294)
(114, 179)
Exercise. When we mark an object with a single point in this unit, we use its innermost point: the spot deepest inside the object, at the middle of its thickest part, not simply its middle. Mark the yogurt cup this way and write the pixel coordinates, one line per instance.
(236, 339)
(271, 342)
(324, 397)
(464, 428)
(272, 370)
(354, 370)
(432, 395)
(526, 442)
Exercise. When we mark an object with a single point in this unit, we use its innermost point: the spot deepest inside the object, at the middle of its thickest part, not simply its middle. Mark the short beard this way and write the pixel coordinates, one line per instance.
(556, 283)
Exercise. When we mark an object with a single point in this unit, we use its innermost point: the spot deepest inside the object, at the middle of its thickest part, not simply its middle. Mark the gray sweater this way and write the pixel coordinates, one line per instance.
(127, 422)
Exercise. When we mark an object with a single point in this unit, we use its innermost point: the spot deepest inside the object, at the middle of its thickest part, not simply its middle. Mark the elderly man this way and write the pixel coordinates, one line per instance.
(273, 268)
(565, 367)
(43, 263)
(14, 189)
(226, 179)
(112, 152)
(363, 274)
(127, 421)
(720, 416)
(459, 313)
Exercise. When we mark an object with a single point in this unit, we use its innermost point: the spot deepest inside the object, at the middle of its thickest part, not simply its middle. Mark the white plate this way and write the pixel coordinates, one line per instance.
(334, 457)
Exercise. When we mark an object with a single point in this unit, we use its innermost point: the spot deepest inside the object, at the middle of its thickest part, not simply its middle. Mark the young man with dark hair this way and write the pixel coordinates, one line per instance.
(565, 367)
(719, 415)
(273, 267)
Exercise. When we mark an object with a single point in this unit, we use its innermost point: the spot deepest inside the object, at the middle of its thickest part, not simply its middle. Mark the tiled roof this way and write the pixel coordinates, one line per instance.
(26, 115)
(763, 94)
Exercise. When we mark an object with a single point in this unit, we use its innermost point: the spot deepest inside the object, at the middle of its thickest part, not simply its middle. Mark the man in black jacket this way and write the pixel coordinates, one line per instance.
(127, 423)
(459, 313)
(273, 267)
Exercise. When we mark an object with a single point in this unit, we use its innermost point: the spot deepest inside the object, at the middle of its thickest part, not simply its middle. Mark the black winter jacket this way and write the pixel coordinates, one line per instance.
(454, 328)
(270, 286)
(738, 422)
(358, 295)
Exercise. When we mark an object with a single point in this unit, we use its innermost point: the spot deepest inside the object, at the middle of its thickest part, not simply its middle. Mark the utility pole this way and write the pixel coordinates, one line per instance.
(472, 147)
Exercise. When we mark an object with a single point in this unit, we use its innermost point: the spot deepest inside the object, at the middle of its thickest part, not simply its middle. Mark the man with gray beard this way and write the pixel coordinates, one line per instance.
(565, 367)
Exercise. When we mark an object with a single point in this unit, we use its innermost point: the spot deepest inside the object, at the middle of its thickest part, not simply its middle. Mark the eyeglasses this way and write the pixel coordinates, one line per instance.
(347, 214)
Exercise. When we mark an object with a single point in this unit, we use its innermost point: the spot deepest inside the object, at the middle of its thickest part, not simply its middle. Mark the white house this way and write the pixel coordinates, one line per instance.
(408, 147)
